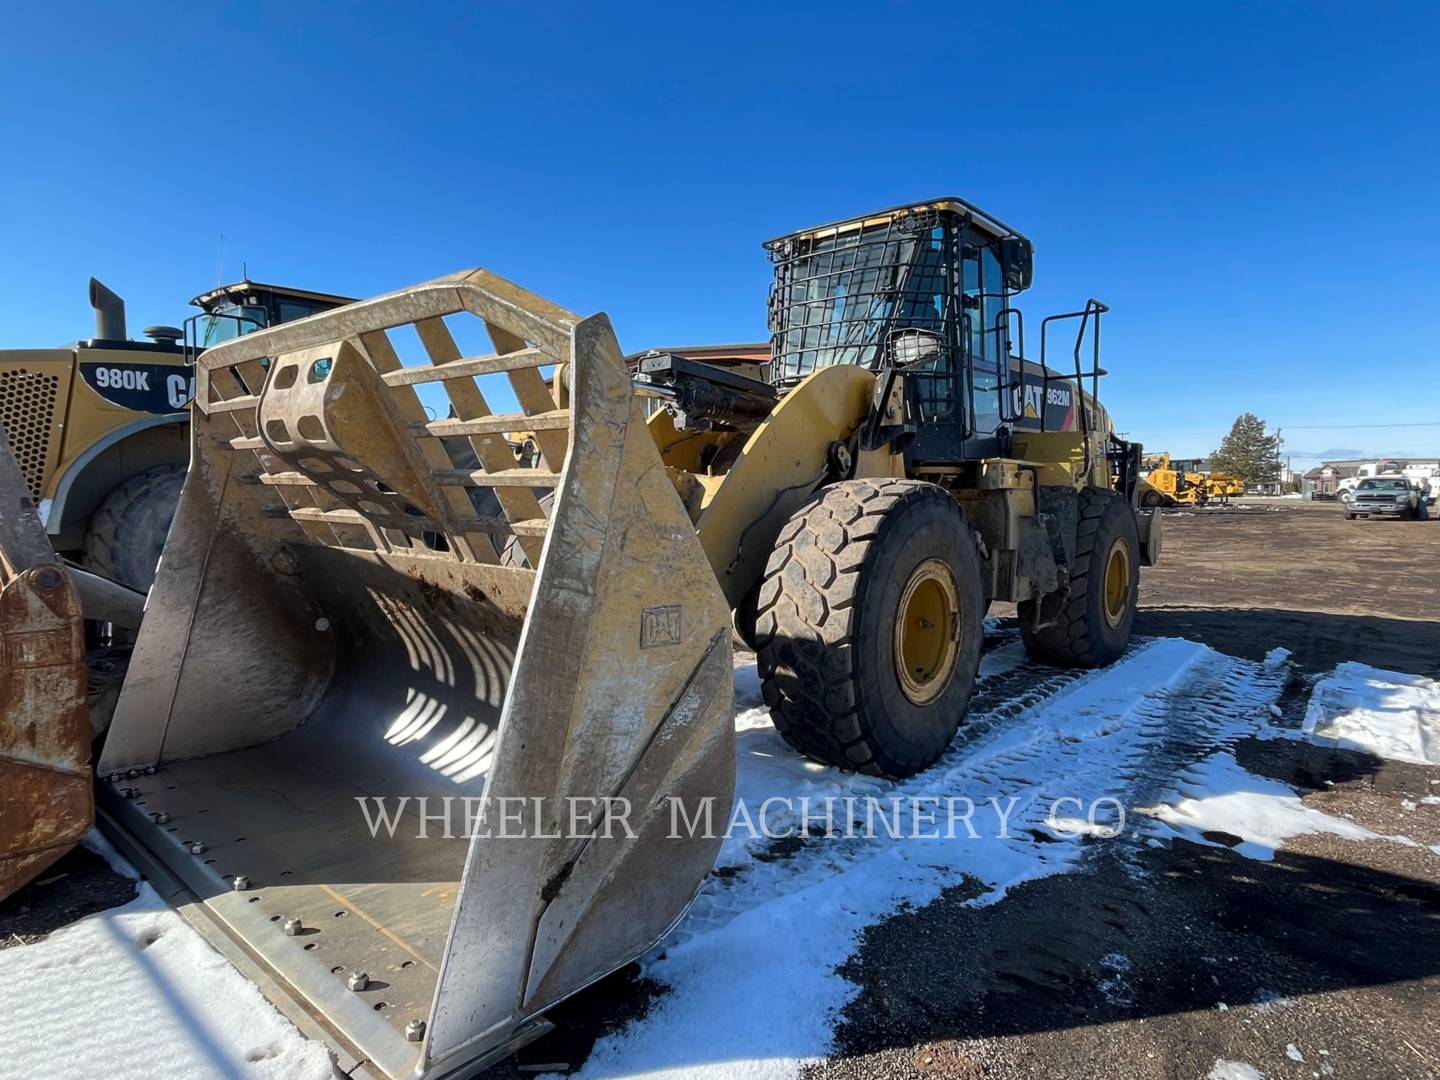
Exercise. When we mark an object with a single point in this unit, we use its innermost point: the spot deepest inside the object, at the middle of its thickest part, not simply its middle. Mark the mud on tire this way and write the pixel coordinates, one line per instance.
(127, 532)
(826, 630)
(1082, 635)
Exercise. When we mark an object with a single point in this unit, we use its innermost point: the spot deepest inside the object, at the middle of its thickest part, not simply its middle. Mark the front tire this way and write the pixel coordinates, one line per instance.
(127, 533)
(1093, 628)
(868, 625)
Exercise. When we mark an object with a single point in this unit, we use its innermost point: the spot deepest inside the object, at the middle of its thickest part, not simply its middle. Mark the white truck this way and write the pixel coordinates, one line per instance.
(1425, 474)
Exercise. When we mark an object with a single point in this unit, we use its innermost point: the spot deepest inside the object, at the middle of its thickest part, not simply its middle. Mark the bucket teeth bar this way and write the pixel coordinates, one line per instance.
(342, 618)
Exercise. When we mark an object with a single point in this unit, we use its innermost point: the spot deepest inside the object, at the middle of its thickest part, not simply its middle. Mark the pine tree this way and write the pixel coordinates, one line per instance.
(1248, 453)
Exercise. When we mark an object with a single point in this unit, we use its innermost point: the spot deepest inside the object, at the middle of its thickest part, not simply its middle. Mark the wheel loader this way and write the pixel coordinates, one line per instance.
(335, 626)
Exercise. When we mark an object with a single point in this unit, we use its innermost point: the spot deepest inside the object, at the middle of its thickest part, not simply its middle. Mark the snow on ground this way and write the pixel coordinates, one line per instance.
(1385, 713)
(1218, 796)
(1233, 1070)
(135, 992)
(751, 972)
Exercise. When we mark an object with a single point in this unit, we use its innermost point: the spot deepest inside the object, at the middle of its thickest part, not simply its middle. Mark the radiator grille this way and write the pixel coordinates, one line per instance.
(27, 406)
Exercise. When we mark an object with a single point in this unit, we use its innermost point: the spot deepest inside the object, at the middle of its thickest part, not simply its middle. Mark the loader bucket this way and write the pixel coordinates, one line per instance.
(46, 800)
(334, 628)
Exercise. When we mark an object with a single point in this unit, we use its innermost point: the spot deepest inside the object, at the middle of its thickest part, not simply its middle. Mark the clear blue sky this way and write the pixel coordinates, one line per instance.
(1252, 187)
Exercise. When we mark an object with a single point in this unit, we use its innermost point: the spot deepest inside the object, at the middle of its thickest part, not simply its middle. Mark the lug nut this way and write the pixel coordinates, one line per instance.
(198, 848)
(415, 1030)
(292, 927)
(358, 980)
(240, 882)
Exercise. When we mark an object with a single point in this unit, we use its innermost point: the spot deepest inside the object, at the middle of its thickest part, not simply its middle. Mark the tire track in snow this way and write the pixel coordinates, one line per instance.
(1017, 742)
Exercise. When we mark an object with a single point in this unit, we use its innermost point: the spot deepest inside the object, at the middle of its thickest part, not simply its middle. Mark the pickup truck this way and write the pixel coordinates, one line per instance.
(1382, 496)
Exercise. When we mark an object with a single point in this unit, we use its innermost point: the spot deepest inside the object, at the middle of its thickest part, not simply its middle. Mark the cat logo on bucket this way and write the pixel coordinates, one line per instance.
(660, 626)
(148, 388)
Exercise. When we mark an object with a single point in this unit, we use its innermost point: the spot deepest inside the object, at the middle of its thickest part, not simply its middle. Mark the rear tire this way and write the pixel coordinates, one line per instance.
(866, 572)
(1093, 629)
(127, 533)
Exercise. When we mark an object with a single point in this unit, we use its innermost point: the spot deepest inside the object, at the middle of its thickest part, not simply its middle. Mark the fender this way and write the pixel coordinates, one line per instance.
(55, 512)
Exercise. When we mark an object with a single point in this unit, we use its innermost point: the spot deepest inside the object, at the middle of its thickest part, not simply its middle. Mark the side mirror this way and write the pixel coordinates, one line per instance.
(1017, 261)
(912, 348)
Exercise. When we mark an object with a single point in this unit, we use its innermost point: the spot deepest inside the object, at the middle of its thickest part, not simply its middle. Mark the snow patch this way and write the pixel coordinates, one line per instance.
(1233, 1070)
(1218, 796)
(1386, 713)
(134, 992)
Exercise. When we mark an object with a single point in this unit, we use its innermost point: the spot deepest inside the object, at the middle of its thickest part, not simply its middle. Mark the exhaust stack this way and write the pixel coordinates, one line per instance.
(109, 312)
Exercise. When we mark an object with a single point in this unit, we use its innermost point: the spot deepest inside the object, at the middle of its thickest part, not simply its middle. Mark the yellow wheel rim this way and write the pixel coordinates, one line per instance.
(926, 632)
(1118, 576)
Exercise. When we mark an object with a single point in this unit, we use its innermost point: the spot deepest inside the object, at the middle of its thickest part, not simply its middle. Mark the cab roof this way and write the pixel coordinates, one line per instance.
(945, 204)
(237, 291)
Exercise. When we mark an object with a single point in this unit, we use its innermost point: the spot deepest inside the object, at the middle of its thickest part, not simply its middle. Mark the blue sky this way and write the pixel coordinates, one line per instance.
(1251, 187)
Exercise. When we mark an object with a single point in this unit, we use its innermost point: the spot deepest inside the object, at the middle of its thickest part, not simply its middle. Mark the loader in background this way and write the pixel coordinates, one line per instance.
(1172, 484)
(336, 623)
(99, 427)
(93, 451)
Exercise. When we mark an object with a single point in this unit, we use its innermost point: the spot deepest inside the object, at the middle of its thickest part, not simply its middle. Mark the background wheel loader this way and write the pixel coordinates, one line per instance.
(336, 623)
(94, 440)
(1164, 483)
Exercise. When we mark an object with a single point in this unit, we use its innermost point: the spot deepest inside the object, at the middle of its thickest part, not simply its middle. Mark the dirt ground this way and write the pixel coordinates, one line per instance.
(1287, 572)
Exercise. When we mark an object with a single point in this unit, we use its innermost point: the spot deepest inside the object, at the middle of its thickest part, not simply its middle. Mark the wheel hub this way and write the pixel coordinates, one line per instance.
(1118, 576)
(925, 632)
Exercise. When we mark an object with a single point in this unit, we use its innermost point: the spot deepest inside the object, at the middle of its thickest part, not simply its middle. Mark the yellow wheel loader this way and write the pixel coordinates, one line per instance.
(425, 771)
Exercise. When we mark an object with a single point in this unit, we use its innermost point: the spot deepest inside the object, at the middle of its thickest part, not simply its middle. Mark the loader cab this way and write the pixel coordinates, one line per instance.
(245, 306)
(926, 290)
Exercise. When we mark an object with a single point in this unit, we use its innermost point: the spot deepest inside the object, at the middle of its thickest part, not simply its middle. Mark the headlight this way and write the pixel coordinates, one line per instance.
(1402, 498)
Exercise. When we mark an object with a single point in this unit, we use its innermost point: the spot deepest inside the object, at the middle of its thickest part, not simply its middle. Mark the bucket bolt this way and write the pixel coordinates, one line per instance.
(292, 927)
(130, 792)
(160, 817)
(198, 848)
(358, 980)
(240, 882)
(415, 1030)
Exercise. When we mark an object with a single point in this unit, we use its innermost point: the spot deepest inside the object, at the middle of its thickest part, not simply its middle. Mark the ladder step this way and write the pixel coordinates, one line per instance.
(247, 442)
(505, 478)
(473, 365)
(234, 404)
(497, 425)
